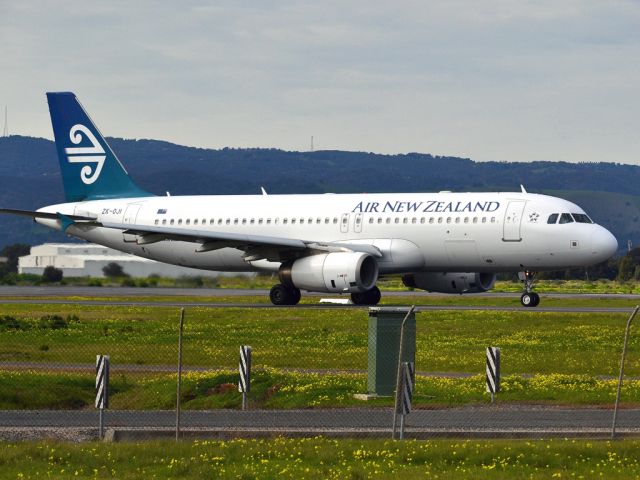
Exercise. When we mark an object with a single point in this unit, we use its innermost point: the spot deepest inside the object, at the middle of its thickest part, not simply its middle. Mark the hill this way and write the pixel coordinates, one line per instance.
(30, 178)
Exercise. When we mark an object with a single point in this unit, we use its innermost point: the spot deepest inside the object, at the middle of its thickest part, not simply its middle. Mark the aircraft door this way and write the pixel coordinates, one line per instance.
(357, 223)
(344, 223)
(129, 217)
(131, 213)
(513, 221)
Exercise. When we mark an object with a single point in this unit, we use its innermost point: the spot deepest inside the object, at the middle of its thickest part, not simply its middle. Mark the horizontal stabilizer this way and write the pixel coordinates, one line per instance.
(49, 215)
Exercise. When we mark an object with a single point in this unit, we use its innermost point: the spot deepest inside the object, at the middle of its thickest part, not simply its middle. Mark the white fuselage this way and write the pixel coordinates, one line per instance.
(474, 232)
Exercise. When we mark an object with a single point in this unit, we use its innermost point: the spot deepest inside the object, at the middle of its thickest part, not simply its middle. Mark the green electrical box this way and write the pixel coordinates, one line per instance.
(384, 346)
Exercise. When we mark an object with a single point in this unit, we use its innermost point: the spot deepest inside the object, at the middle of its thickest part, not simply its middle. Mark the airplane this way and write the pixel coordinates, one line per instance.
(440, 242)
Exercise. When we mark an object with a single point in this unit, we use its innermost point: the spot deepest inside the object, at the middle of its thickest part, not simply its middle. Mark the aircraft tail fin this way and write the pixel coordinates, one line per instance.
(90, 170)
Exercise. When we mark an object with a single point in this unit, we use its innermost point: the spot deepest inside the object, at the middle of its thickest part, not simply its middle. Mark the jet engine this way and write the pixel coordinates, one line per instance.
(331, 272)
(450, 282)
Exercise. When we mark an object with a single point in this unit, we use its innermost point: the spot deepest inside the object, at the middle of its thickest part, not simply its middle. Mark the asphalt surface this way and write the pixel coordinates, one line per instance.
(33, 296)
(67, 291)
(485, 419)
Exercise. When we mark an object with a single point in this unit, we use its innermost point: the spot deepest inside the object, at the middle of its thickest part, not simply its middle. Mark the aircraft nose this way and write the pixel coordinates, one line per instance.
(603, 244)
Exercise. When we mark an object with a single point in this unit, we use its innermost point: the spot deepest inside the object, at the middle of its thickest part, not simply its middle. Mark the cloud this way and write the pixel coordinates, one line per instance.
(500, 80)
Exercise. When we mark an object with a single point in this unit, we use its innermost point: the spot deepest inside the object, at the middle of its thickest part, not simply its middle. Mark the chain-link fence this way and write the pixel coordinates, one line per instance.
(314, 370)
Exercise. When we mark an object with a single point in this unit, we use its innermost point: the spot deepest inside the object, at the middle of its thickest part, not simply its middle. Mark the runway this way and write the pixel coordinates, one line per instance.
(68, 291)
(33, 296)
(512, 421)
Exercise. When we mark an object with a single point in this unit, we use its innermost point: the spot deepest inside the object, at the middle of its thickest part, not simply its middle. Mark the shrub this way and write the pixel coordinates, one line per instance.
(51, 274)
(113, 270)
(10, 323)
(54, 322)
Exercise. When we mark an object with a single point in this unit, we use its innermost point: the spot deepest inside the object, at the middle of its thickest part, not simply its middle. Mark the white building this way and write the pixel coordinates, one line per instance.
(88, 259)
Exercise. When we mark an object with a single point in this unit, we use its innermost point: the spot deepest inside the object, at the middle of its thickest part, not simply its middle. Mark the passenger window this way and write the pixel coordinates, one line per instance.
(211, 222)
(164, 221)
(310, 220)
(439, 219)
(448, 219)
(268, 221)
(335, 220)
(371, 220)
(466, 219)
(475, 219)
(284, 221)
(252, 221)
(388, 219)
(405, 220)
(422, 220)
(156, 222)
(228, 221)
(171, 221)
(566, 218)
(318, 220)
(179, 221)
(457, 219)
(493, 219)
(430, 219)
(235, 221)
(326, 220)
(553, 218)
(244, 221)
(397, 220)
(204, 221)
(259, 221)
(195, 221)
(293, 221)
(219, 221)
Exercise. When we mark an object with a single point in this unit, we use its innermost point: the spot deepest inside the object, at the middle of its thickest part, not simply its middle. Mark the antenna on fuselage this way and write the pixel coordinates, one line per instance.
(522, 188)
(264, 192)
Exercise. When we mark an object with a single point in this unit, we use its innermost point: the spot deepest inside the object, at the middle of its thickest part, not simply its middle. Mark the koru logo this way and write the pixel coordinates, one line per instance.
(533, 218)
(93, 155)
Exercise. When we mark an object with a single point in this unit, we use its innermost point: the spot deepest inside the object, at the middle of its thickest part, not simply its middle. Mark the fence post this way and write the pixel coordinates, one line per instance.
(245, 374)
(399, 371)
(102, 389)
(624, 353)
(493, 371)
(408, 382)
(179, 386)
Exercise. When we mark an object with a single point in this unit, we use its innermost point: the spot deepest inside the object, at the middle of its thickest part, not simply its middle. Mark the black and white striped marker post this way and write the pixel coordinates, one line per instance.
(406, 393)
(493, 371)
(245, 374)
(102, 387)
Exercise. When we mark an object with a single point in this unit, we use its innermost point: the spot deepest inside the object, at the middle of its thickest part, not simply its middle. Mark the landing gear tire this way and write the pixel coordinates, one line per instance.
(281, 295)
(370, 297)
(530, 299)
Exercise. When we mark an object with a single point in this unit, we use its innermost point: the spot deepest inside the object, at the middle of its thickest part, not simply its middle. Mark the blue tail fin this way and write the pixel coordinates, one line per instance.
(90, 169)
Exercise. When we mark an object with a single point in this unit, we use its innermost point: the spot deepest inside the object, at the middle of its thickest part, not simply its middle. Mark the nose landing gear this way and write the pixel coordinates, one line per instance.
(529, 298)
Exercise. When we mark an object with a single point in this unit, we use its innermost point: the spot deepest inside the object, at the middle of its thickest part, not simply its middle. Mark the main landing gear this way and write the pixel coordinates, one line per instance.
(529, 298)
(370, 297)
(283, 295)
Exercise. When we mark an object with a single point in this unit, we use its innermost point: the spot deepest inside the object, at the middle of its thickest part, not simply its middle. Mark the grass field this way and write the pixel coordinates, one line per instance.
(276, 389)
(546, 357)
(325, 459)
(447, 341)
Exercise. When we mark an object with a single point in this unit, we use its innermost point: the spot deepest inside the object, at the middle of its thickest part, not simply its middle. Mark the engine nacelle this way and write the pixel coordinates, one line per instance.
(332, 272)
(450, 282)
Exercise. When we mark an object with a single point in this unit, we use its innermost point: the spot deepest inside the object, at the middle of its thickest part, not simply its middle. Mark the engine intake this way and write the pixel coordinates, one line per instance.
(331, 272)
(450, 282)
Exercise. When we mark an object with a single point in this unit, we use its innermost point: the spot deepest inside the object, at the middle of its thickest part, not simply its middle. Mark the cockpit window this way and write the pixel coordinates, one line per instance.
(581, 218)
(566, 218)
(553, 218)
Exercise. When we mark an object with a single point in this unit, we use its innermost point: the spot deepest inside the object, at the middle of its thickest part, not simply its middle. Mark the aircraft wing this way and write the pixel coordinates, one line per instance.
(256, 247)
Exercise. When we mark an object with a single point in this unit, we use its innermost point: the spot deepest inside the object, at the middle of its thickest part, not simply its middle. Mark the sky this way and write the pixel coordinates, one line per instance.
(492, 80)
